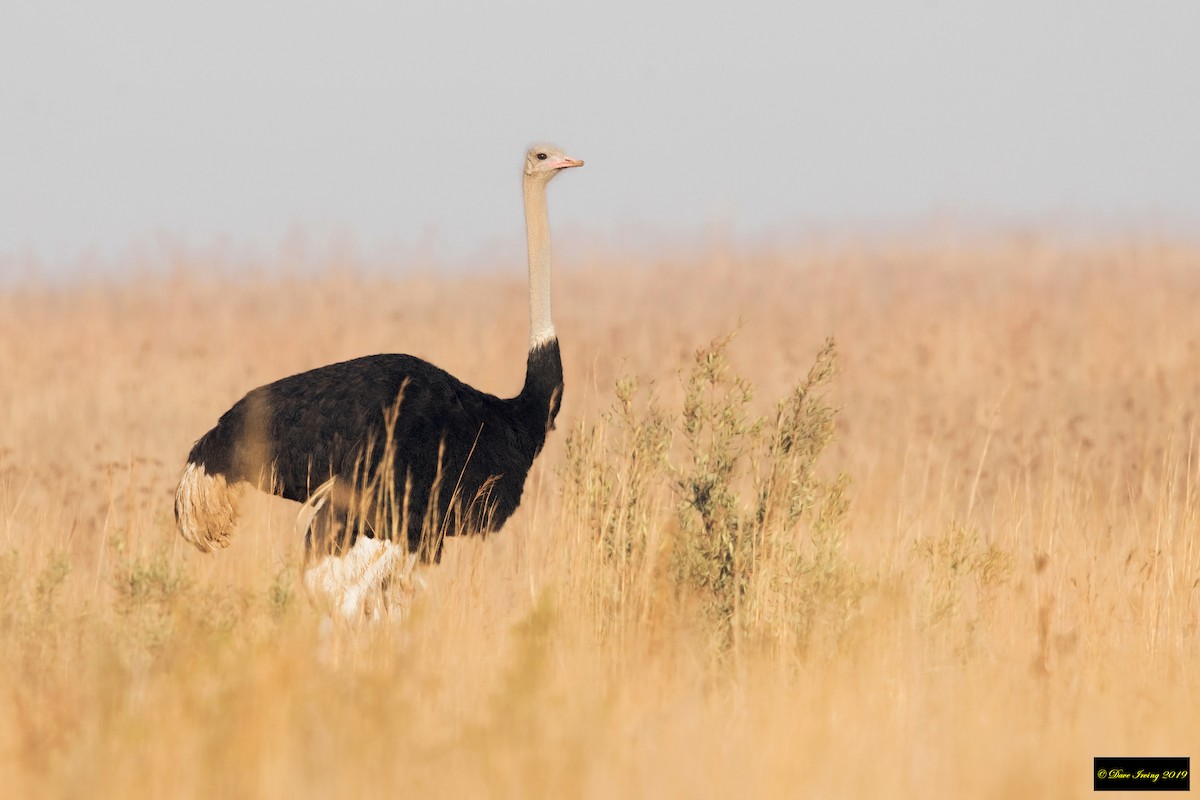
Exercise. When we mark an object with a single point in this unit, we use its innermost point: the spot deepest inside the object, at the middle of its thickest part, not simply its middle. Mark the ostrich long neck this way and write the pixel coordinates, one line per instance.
(537, 234)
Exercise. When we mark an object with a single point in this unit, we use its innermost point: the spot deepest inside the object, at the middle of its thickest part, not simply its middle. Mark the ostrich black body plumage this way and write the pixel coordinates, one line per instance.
(465, 451)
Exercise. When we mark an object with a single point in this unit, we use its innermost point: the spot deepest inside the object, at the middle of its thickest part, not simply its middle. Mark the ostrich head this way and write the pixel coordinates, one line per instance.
(544, 161)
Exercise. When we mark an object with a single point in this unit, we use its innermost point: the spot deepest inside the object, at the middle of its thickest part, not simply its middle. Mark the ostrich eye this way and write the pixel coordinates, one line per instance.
(541, 156)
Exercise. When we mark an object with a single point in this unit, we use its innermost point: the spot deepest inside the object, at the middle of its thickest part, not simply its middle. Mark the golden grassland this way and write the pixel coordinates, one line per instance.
(1010, 589)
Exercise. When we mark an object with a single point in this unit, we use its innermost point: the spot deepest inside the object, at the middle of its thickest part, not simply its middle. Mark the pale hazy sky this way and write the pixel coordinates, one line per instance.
(403, 124)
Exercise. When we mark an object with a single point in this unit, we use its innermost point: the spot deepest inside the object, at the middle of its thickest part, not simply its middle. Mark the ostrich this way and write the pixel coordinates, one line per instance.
(387, 453)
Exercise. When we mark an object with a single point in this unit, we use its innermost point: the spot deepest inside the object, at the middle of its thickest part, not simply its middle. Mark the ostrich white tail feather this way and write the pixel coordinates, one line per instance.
(206, 508)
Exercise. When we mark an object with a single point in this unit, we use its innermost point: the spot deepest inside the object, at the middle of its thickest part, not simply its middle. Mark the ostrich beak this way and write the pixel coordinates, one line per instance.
(567, 162)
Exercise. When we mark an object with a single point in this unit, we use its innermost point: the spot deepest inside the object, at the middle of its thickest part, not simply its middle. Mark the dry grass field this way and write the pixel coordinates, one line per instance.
(1004, 583)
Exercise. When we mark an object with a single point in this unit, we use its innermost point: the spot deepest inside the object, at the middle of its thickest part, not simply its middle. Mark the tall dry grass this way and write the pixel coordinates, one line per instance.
(1004, 585)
